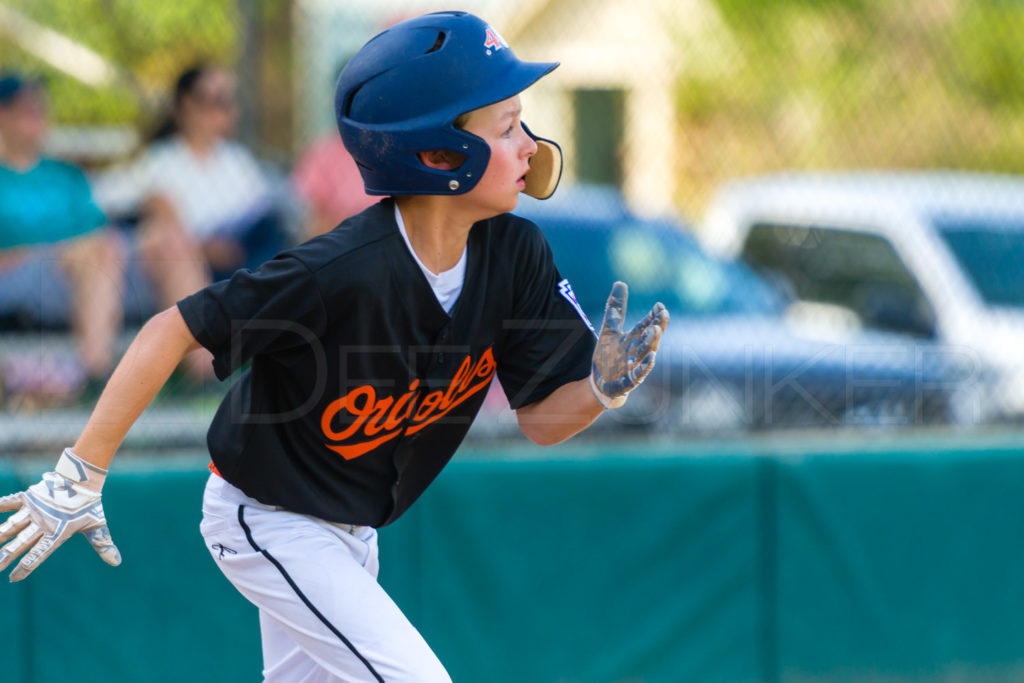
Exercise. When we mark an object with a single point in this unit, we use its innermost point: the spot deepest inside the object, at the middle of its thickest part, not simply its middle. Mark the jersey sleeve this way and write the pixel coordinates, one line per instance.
(274, 308)
(548, 340)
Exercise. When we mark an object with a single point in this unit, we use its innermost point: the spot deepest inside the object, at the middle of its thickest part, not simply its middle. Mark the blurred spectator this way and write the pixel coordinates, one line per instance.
(58, 263)
(327, 179)
(194, 181)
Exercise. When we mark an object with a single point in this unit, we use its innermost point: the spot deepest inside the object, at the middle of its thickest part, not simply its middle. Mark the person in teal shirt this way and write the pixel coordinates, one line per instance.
(57, 259)
(45, 204)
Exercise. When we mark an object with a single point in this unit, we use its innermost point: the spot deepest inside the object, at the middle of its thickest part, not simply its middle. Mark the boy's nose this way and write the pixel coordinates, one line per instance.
(531, 147)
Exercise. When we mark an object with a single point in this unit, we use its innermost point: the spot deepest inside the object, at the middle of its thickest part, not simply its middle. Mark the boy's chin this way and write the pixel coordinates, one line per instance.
(496, 209)
(493, 206)
(511, 205)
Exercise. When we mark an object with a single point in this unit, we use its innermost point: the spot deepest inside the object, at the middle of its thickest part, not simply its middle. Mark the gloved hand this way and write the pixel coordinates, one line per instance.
(49, 512)
(622, 361)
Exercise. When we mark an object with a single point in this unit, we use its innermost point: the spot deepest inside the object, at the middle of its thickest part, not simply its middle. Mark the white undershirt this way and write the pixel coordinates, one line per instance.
(447, 285)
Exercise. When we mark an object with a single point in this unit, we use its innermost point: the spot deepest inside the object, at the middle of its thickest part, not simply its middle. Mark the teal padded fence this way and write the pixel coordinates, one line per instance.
(750, 561)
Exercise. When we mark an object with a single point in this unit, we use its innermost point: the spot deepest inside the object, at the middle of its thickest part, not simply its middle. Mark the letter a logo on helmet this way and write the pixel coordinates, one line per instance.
(494, 41)
(401, 93)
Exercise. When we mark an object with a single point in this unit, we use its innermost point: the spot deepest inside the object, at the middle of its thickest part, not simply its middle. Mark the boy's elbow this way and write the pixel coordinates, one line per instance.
(542, 439)
(543, 434)
(536, 436)
(550, 421)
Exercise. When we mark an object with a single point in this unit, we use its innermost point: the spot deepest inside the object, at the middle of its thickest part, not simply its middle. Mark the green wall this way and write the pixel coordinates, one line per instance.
(747, 561)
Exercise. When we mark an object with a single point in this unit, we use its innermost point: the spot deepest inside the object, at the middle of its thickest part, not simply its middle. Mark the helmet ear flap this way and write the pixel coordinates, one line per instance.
(545, 167)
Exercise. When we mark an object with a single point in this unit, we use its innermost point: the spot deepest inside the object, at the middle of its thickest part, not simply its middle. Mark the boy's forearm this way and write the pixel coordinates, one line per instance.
(566, 411)
(158, 348)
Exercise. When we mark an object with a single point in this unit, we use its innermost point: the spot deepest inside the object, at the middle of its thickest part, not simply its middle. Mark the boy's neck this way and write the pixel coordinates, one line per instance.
(437, 230)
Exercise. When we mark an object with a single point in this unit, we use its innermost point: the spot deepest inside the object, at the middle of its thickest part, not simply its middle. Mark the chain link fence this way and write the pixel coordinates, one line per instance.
(823, 193)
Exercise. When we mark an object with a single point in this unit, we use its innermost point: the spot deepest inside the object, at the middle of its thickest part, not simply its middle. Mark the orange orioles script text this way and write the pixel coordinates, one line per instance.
(381, 419)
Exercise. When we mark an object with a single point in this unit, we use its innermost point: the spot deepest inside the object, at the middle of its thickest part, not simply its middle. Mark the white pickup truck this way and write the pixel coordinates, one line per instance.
(935, 255)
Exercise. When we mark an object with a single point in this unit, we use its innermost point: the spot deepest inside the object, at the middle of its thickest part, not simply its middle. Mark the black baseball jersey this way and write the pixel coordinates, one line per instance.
(360, 386)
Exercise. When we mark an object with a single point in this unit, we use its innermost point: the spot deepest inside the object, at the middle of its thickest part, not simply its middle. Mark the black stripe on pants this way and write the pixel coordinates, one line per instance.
(305, 600)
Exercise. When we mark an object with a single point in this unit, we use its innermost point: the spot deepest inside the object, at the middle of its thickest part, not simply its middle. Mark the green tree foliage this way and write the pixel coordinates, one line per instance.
(150, 41)
(852, 83)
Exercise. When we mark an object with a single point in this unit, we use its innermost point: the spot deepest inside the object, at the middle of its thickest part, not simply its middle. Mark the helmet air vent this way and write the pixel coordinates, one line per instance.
(437, 43)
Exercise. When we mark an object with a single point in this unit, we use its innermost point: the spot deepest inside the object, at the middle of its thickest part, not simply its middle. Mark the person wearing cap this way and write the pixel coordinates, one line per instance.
(58, 263)
(369, 351)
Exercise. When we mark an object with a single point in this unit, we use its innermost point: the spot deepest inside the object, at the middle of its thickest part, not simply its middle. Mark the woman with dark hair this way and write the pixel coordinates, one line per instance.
(207, 187)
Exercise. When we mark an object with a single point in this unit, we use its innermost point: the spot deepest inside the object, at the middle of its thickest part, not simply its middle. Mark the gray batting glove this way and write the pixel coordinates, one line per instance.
(67, 500)
(622, 361)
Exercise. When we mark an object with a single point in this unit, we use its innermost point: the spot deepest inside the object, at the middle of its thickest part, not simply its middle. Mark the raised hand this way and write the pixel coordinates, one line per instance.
(622, 361)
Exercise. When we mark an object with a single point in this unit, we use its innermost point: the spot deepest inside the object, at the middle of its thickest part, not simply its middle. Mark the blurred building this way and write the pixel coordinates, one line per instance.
(610, 104)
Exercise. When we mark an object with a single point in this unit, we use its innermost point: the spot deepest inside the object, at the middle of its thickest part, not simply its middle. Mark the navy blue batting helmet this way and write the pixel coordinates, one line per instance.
(401, 93)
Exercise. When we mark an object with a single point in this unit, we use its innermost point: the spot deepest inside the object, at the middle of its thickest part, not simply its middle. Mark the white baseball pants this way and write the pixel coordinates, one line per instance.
(323, 616)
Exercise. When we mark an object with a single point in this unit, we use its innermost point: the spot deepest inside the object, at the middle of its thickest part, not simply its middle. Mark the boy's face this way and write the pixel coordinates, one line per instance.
(511, 148)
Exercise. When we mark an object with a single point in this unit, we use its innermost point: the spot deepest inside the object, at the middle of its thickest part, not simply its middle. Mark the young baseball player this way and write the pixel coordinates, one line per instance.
(370, 349)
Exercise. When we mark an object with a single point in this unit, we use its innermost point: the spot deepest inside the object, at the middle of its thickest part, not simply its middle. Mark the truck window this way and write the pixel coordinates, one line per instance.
(991, 252)
(859, 271)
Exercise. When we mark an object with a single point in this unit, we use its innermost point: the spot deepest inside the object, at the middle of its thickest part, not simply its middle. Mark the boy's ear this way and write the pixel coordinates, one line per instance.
(442, 159)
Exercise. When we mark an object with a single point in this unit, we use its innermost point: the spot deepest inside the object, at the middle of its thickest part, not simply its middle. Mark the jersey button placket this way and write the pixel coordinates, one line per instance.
(442, 337)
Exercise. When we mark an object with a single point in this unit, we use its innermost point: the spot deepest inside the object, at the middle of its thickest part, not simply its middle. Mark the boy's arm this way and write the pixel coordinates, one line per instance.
(67, 500)
(621, 362)
(566, 411)
(158, 348)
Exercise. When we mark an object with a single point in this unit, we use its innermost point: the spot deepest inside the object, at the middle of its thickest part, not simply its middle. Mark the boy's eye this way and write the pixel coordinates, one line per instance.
(508, 131)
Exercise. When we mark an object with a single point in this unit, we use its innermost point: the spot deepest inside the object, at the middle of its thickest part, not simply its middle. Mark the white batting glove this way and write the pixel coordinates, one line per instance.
(622, 361)
(67, 500)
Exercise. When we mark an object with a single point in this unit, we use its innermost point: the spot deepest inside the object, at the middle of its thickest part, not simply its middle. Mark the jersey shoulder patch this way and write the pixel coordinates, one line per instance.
(565, 289)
